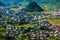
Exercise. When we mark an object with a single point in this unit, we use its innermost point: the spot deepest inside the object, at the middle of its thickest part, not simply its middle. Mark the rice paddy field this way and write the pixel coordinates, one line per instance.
(54, 21)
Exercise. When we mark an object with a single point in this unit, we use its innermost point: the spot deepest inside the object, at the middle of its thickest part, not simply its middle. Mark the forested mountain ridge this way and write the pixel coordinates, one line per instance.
(45, 4)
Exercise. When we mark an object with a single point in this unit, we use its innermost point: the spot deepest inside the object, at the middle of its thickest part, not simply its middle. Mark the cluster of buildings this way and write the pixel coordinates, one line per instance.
(41, 31)
(12, 31)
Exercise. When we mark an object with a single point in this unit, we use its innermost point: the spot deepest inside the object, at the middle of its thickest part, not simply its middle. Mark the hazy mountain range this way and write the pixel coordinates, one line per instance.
(46, 4)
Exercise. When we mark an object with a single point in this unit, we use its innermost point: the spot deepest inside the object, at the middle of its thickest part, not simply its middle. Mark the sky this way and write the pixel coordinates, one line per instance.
(11, 1)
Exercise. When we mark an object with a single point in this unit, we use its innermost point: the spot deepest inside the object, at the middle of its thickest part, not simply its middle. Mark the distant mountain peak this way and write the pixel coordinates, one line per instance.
(33, 6)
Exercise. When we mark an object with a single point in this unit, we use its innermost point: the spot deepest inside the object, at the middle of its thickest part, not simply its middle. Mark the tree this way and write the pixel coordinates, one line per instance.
(9, 38)
(22, 21)
(0, 15)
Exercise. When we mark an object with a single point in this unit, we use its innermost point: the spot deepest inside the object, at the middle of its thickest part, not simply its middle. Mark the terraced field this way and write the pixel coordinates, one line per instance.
(54, 21)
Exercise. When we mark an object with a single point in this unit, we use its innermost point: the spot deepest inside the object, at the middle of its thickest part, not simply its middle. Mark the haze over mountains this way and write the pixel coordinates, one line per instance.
(39, 1)
(45, 4)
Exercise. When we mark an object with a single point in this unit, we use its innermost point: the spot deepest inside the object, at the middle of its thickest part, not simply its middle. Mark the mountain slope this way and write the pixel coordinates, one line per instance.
(33, 6)
(45, 4)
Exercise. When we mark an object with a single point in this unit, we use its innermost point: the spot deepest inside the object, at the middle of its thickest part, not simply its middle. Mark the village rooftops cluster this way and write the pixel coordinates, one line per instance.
(37, 32)
(40, 30)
